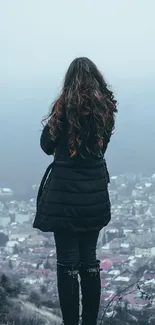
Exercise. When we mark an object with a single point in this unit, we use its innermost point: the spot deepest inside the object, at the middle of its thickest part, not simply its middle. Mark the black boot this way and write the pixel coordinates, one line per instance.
(91, 292)
(68, 289)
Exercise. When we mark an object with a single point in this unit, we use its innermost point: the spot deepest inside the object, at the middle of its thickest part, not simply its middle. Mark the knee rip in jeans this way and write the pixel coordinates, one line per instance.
(93, 270)
(68, 269)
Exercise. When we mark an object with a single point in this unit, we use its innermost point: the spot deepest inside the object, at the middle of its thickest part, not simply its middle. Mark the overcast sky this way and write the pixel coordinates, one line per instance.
(39, 39)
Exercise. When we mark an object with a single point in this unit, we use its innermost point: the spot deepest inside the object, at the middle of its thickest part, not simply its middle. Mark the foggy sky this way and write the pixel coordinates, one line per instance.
(38, 41)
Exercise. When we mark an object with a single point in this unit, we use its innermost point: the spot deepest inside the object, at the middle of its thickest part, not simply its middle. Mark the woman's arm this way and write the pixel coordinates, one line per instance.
(47, 145)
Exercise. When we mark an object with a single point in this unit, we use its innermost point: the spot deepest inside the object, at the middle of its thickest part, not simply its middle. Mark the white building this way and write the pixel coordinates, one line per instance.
(145, 251)
(5, 191)
(10, 246)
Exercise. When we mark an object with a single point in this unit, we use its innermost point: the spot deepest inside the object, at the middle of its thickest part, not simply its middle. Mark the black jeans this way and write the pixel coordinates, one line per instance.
(76, 254)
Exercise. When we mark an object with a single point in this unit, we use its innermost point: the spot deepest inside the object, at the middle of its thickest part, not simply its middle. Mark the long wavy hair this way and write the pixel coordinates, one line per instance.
(86, 106)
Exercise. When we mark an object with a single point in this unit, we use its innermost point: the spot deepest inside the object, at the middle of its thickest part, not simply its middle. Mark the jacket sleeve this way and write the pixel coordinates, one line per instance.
(47, 145)
(107, 176)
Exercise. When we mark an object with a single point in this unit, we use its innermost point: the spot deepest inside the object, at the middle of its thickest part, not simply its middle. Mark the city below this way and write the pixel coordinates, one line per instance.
(126, 249)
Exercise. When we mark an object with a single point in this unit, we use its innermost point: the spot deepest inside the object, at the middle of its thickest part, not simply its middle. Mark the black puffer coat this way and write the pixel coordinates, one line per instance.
(73, 194)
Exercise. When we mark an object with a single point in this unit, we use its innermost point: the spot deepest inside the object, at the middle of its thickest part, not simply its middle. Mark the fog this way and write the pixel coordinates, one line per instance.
(38, 41)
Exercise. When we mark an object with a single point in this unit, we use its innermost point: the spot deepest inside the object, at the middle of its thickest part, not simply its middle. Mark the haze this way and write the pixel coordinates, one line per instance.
(38, 41)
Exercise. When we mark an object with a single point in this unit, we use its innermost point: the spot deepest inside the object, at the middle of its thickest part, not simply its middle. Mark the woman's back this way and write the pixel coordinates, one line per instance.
(77, 132)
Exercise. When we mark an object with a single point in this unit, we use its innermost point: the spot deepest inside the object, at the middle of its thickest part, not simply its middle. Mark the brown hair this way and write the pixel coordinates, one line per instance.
(87, 105)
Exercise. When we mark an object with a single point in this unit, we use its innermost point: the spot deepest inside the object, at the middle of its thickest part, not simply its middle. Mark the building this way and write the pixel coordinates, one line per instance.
(145, 251)
(5, 192)
(10, 245)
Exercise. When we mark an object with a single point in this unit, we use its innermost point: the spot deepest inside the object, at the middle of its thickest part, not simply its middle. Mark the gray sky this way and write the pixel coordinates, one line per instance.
(39, 38)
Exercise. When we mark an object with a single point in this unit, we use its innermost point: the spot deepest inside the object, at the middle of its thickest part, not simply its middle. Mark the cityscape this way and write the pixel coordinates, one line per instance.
(126, 249)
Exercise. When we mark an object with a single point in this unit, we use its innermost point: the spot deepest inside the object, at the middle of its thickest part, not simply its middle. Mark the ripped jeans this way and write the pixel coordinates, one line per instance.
(76, 255)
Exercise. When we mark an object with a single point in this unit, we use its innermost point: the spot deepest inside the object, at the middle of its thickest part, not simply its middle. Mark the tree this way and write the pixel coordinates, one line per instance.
(4, 280)
(10, 264)
(47, 265)
(3, 239)
(34, 298)
(16, 249)
(43, 289)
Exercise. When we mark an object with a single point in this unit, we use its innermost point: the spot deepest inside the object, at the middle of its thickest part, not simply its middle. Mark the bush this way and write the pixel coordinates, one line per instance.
(35, 298)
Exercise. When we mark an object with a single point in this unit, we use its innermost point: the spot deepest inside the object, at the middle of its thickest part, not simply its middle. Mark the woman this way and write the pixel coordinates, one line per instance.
(73, 200)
